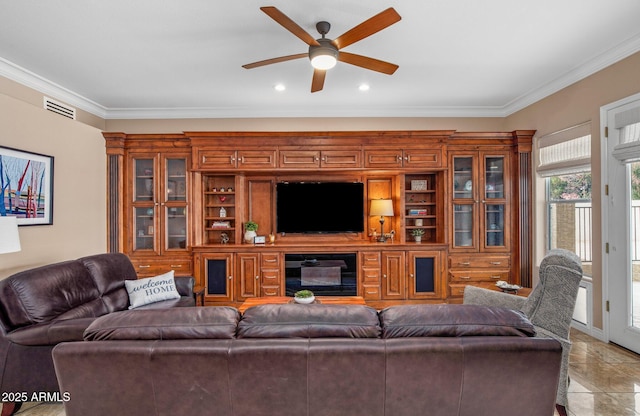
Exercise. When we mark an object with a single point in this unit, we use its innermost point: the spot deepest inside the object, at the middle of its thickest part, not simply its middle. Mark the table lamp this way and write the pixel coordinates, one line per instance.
(382, 208)
(9, 237)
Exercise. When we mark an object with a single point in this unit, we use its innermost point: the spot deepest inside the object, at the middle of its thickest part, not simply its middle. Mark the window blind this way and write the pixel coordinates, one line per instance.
(565, 152)
(628, 125)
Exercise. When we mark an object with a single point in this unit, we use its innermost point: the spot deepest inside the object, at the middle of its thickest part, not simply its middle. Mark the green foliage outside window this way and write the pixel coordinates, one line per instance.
(567, 187)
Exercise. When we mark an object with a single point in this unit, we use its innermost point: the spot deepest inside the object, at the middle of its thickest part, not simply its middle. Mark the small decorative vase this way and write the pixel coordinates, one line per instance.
(305, 301)
(249, 236)
(418, 238)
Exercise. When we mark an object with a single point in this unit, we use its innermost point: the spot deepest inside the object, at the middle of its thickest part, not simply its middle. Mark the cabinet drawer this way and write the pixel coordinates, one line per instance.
(471, 262)
(478, 275)
(456, 290)
(147, 268)
(371, 276)
(341, 158)
(371, 292)
(216, 158)
(270, 291)
(424, 158)
(370, 259)
(257, 159)
(270, 260)
(299, 159)
(270, 276)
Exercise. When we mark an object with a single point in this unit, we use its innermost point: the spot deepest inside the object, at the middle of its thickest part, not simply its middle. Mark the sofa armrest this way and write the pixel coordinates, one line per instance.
(184, 285)
(479, 296)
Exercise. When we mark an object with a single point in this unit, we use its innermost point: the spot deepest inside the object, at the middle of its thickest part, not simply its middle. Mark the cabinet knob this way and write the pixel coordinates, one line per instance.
(230, 277)
(465, 277)
(496, 277)
(384, 275)
(257, 277)
(410, 274)
(176, 266)
(466, 263)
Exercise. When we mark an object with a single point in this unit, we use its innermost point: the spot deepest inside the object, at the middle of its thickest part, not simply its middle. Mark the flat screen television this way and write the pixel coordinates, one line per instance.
(319, 207)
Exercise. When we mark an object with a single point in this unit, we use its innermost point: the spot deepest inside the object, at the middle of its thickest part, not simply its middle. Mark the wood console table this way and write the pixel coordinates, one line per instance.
(277, 300)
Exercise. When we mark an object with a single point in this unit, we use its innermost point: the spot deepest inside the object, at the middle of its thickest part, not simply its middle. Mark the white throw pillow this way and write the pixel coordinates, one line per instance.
(152, 289)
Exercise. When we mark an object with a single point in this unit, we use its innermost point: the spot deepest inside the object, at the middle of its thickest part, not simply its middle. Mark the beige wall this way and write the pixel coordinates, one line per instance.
(79, 212)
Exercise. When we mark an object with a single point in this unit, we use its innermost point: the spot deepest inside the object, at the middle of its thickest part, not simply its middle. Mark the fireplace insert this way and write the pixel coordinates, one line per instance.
(325, 274)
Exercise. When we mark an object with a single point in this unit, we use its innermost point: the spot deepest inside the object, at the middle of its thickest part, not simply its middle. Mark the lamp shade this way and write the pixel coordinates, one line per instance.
(381, 208)
(9, 237)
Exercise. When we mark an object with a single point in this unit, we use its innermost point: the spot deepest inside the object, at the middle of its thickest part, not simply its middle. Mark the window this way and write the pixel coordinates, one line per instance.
(565, 163)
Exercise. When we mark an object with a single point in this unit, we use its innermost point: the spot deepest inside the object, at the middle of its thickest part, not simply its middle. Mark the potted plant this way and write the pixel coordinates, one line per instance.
(304, 296)
(250, 228)
(417, 234)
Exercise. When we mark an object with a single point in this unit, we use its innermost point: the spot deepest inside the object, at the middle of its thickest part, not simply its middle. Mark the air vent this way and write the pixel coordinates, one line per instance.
(59, 108)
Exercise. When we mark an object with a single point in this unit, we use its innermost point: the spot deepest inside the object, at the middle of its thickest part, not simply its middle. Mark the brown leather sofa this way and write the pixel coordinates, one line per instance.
(311, 360)
(42, 307)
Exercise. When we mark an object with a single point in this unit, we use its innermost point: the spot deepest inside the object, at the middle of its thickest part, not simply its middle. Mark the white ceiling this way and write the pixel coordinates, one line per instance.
(183, 58)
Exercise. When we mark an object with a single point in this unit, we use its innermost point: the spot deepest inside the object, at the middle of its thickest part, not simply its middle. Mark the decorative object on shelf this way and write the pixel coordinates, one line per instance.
(468, 186)
(10, 240)
(250, 228)
(221, 224)
(304, 296)
(419, 222)
(224, 238)
(419, 185)
(223, 212)
(382, 208)
(259, 239)
(222, 198)
(272, 238)
(150, 211)
(417, 234)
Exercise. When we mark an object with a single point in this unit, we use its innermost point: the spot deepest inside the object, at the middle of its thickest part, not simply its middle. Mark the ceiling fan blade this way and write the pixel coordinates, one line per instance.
(275, 60)
(289, 24)
(318, 80)
(367, 63)
(368, 27)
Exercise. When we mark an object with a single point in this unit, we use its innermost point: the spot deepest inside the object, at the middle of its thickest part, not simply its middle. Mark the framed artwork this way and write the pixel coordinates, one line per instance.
(26, 186)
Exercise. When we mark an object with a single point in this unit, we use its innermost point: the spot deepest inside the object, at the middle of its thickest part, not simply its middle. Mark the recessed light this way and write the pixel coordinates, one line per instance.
(364, 87)
(279, 87)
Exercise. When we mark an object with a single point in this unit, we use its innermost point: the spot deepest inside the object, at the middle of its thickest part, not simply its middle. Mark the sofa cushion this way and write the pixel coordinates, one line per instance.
(453, 321)
(215, 322)
(42, 294)
(51, 333)
(152, 289)
(309, 321)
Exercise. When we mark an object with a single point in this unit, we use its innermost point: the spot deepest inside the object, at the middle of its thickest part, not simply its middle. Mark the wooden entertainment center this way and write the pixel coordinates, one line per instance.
(180, 201)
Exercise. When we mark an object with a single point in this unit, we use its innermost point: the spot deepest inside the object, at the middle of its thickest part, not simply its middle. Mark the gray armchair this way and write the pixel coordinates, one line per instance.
(549, 307)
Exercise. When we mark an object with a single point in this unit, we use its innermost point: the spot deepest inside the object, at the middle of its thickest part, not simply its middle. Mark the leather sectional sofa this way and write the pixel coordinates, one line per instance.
(310, 360)
(42, 307)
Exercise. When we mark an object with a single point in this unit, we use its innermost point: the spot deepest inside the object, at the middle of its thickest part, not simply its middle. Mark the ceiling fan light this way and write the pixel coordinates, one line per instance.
(324, 56)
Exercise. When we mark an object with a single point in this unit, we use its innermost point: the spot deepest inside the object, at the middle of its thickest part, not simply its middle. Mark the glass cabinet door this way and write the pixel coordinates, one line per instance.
(494, 201)
(144, 183)
(464, 201)
(176, 180)
(463, 177)
(175, 228)
(463, 225)
(144, 228)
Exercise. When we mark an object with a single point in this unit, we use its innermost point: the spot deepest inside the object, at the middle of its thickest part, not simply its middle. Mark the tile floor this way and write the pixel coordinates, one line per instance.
(605, 381)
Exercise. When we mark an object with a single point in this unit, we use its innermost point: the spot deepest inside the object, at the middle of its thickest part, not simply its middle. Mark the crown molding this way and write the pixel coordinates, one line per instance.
(29, 79)
(590, 67)
(599, 62)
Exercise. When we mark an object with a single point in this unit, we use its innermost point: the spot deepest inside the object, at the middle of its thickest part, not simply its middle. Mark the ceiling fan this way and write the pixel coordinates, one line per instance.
(324, 53)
